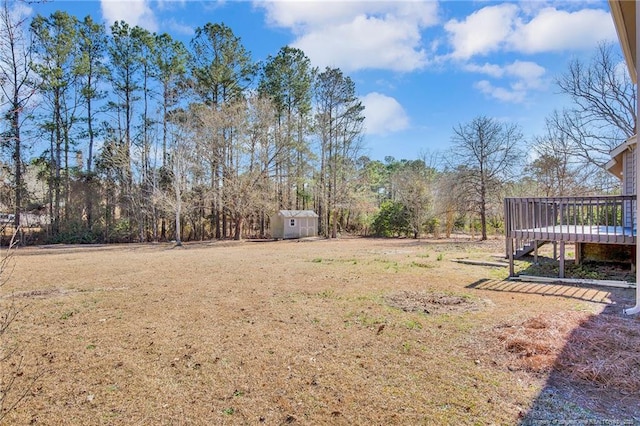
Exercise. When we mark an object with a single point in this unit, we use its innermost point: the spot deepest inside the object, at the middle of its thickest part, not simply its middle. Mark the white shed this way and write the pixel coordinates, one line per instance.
(294, 224)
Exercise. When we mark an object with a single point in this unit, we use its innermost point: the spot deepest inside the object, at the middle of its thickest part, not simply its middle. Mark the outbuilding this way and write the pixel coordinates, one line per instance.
(287, 224)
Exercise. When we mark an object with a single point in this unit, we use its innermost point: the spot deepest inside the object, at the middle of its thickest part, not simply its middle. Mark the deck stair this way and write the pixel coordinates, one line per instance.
(527, 247)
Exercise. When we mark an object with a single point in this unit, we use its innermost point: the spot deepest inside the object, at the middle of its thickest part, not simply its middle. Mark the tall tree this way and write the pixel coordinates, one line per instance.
(170, 59)
(222, 70)
(17, 87)
(91, 71)
(339, 119)
(124, 52)
(55, 43)
(488, 149)
(181, 168)
(221, 66)
(287, 80)
(247, 191)
(144, 212)
(603, 113)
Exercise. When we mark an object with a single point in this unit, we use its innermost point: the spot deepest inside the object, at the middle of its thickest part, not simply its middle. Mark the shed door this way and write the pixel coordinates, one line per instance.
(290, 228)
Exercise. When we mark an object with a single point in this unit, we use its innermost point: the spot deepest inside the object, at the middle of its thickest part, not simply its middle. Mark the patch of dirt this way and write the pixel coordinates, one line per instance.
(54, 292)
(38, 294)
(430, 303)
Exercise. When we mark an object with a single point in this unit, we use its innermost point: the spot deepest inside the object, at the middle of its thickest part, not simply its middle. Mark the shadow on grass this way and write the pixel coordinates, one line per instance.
(595, 376)
(589, 294)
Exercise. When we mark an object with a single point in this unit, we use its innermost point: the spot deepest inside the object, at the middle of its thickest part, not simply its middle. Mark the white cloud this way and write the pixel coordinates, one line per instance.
(523, 77)
(355, 35)
(557, 30)
(524, 70)
(530, 74)
(175, 27)
(170, 4)
(383, 114)
(133, 12)
(303, 15)
(365, 43)
(481, 32)
(492, 70)
(506, 27)
(513, 96)
(18, 11)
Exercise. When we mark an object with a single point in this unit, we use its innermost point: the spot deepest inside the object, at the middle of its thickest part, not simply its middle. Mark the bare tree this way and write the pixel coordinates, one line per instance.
(171, 192)
(557, 170)
(604, 105)
(412, 184)
(16, 85)
(489, 151)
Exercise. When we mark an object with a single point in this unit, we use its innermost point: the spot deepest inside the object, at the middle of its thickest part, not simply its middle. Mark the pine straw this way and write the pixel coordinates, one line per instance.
(600, 350)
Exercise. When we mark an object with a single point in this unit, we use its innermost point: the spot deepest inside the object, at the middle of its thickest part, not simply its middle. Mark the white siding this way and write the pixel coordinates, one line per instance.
(629, 185)
(294, 224)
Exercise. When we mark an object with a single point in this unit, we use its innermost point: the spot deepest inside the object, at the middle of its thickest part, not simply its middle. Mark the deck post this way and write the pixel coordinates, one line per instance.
(510, 256)
(561, 259)
(535, 252)
(507, 227)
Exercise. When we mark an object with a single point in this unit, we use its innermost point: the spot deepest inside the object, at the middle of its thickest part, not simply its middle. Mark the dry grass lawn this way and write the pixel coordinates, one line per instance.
(351, 331)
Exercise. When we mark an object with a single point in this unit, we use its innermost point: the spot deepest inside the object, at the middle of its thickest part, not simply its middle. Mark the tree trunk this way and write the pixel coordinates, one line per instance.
(15, 124)
(238, 231)
(334, 227)
(483, 210)
(178, 237)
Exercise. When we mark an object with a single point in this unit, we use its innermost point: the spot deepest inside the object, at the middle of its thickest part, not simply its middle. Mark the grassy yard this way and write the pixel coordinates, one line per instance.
(350, 331)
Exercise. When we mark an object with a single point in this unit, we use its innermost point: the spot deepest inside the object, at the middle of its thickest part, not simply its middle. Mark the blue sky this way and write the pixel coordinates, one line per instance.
(420, 67)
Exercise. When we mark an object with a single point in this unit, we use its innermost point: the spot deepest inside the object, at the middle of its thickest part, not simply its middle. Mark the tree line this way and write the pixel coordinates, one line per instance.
(126, 135)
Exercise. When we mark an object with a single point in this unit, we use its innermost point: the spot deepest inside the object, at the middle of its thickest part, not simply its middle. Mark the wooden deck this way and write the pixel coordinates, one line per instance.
(579, 234)
(599, 220)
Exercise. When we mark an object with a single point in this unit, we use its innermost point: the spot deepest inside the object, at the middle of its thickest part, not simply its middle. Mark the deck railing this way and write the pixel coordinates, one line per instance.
(601, 219)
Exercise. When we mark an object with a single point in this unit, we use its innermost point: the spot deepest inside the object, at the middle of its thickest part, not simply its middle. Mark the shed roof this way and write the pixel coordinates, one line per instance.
(297, 213)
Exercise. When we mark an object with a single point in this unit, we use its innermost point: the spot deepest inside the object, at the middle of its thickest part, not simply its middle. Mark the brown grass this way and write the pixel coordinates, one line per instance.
(315, 332)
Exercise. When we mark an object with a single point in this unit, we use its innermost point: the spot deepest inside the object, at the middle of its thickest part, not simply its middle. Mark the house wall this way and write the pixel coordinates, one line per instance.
(628, 170)
(629, 186)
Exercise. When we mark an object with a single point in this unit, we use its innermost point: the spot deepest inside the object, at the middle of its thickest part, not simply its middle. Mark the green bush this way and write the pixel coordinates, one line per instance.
(75, 233)
(433, 226)
(391, 221)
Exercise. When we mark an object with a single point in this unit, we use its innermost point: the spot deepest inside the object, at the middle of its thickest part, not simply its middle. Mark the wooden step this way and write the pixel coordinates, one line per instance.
(528, 248)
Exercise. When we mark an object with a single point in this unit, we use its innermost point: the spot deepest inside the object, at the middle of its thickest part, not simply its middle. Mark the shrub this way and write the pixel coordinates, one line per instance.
(391, 221)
